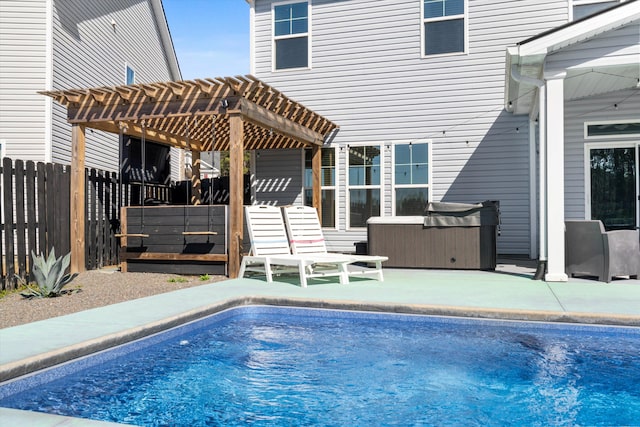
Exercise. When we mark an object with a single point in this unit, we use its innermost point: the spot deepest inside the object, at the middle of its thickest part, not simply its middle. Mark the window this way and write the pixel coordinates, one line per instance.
(411, 178)
(291, 35)
(612, 193)
(621, 129)
(130, 76)
(364, 184)
(327, 182)
(584, 8)
(443, 26)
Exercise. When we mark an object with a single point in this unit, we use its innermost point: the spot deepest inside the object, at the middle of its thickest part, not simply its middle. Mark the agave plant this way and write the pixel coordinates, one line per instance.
(49, 274)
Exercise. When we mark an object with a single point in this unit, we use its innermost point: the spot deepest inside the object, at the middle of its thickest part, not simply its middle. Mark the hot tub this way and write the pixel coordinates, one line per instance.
(448, 236)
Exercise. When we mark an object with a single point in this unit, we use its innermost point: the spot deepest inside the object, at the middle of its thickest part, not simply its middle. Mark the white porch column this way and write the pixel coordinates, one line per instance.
(555, 176)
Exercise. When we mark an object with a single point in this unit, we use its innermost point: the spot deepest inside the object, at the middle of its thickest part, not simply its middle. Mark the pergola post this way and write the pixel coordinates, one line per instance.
(236, 190)
(77, 207)
(316, 167)
(196, 184)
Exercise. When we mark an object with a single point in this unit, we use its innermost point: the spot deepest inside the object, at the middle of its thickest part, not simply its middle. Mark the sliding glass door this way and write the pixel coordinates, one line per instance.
(613, 181)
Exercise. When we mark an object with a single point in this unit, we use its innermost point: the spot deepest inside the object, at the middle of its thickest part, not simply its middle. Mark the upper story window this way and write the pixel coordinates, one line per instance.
(411, 178)
(291, 35)
(327, 183)
(130, 76)
(584, 8)
(443, 26)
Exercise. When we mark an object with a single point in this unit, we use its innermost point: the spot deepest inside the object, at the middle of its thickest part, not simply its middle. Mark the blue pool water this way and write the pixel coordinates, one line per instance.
(285, 366)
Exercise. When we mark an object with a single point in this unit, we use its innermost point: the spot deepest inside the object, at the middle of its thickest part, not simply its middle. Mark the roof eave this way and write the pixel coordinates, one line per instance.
(167, 41)
(580, 31)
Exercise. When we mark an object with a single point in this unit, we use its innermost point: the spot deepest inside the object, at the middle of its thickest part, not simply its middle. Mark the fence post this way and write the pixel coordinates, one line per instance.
(7, 184)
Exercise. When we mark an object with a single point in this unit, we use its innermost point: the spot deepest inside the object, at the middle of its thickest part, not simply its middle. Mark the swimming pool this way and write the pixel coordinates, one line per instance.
(286, 366)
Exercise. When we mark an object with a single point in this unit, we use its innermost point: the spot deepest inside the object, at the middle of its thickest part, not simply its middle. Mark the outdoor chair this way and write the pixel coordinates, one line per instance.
(592, 251)
(270, 252)
(306, 238)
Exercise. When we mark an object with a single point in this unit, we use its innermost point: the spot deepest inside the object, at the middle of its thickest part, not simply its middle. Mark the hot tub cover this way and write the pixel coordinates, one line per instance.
(442, 214)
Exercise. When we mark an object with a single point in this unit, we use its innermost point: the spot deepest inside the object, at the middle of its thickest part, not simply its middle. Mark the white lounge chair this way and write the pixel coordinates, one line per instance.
(306, 238)
(270, 252)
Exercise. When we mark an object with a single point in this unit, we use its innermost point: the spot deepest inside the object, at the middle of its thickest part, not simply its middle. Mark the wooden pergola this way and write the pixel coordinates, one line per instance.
(225, 113)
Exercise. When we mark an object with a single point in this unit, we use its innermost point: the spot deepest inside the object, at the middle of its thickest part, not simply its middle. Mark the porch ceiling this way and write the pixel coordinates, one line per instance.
(194, 114)
(579, 83)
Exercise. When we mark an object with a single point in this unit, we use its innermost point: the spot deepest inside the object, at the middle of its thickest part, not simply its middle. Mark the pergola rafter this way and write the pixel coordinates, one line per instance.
(222, 114)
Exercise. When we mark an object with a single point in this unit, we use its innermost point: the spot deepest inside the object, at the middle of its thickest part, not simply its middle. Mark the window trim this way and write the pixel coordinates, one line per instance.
(333, 187)
(349, 187)
(128, 67)
(423, 20)
(610, 136)
(392, 153)
(275, 38)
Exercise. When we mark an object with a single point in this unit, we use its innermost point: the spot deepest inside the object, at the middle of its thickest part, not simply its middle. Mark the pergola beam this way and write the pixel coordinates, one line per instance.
(96, 113)
(134, 129)
(260, 116)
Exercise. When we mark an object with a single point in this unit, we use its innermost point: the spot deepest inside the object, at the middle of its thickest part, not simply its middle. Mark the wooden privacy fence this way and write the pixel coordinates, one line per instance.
(105, 195)
(36, 215)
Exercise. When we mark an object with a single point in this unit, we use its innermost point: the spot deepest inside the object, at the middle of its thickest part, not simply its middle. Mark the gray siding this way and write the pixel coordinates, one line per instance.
(595, 109)
(84, 39)
(22, 71)
(278, 177)
(369, 77)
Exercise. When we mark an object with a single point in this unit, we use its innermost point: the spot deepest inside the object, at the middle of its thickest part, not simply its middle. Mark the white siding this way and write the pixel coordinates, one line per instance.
(595, 109)
(369, 77)
(22, 73)
(89, 51)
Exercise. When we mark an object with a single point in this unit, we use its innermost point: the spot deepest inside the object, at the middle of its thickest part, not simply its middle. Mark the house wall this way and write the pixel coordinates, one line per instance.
(368, 76)
(89, 51)
(271, 185)
(594, 109)
(23, 56)
(622, 46)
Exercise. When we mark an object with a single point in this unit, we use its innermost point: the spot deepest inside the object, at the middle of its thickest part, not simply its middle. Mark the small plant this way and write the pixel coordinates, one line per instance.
(205, 277)
(177, 280)
(49, 274)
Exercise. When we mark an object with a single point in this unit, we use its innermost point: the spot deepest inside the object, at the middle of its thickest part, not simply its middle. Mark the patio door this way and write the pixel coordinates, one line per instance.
(613, 183)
